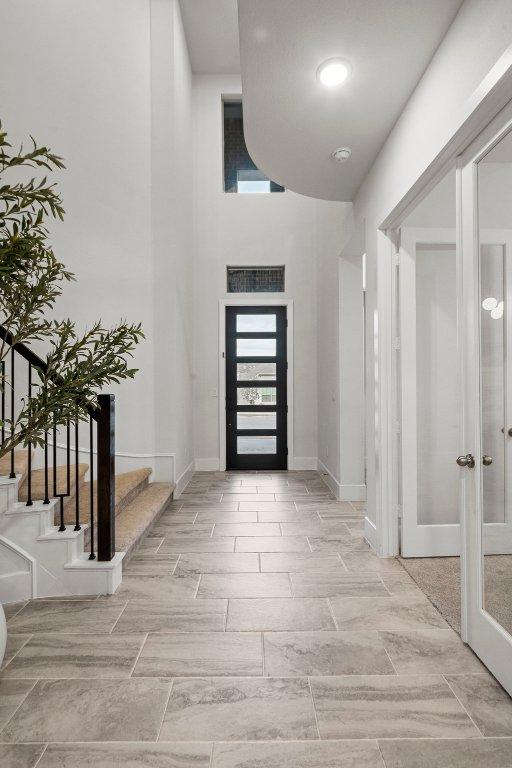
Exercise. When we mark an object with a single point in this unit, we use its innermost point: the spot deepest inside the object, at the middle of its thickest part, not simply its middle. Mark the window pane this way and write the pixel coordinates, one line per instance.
(255, 347)
(256, 444)
(256, 396)
(239, 169)
(253, 371)
(256, 420)
(256, 323)
(255, 279)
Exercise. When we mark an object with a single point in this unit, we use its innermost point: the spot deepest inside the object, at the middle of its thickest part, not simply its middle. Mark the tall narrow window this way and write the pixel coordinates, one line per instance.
(240, 173)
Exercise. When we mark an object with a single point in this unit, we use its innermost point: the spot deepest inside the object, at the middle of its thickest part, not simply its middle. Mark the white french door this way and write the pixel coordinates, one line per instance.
(431, 390)
(428, 416)
(485, 307)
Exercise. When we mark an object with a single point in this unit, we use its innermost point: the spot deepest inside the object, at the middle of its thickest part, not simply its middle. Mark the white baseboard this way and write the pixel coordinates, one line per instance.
(370, 534)
(207, 465)
(294, 463)
(183, 480)
(302, 463)
(328, 478)
(352, 493)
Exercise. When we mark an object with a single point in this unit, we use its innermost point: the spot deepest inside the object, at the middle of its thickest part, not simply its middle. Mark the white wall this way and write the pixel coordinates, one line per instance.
(80, 75)
(340, 353)
(477, 38)
(171, 228)
(280, 228)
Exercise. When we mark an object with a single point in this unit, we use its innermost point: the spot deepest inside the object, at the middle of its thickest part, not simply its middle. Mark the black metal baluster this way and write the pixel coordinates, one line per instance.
(2, 374)
(46, 496)
(92, 556)
(68, 458)
(29, 444)
(54, 450)
(77, 474)
(106, 478)
(13, 472)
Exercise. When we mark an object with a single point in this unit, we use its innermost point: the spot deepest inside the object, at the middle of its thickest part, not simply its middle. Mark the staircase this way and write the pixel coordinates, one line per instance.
(65, 528)
(39, 560)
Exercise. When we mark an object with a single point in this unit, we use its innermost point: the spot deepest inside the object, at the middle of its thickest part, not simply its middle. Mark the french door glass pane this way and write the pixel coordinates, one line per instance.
(255, 347)
(255, 371)
(437, 405)
(256, 396)
(251, 444)
(495, 238)
(256, 323)
(251, 420)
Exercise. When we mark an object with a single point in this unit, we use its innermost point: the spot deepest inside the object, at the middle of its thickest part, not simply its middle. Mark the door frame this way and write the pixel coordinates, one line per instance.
(257, 301)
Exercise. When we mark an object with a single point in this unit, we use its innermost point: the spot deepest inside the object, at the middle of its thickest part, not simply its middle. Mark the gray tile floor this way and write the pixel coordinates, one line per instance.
(254, 629)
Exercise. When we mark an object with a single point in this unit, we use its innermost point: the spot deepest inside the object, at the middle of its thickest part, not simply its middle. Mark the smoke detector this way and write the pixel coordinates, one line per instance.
(342, 154)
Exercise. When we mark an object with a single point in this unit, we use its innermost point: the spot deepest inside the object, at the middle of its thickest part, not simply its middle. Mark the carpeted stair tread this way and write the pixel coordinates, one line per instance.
(20, 463)
(135, 519)
(38, 481)
(128, 486)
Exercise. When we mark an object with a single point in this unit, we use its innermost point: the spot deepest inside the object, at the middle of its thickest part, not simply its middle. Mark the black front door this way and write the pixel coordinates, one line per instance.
(256, 407)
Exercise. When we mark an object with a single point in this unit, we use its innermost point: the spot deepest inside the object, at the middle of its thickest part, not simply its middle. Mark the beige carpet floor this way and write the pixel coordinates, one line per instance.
(439, 579)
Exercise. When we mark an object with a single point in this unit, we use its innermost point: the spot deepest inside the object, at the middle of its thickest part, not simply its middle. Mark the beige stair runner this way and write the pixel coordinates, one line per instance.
(137, 501)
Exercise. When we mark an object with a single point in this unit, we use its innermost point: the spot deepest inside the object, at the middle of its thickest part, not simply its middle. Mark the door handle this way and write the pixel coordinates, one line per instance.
(466, 461)
(487, 461)
(509, 431)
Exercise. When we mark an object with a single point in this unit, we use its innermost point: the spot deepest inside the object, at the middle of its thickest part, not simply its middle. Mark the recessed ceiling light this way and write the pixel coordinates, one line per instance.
(342, 154)
(333, 72)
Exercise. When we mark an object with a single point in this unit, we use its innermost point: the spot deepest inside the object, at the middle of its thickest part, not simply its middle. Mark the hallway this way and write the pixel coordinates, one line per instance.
(253, 629)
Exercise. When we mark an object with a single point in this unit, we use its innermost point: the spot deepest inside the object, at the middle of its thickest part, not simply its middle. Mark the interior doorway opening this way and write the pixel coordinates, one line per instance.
(429, 405)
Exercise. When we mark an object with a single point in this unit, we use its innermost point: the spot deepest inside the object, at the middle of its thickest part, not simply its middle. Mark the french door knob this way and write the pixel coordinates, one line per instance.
(466, 461)
(487, 461)
(510, 432)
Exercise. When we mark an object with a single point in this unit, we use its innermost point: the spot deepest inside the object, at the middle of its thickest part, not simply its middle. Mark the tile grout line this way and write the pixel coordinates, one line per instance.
(25, 603)
(4, 666)
(462, 705)
(332, 613)
(4, 726)
(176, 565)
(387, 653)
(40, 756)
(164, 712)
(198, 585)
(314, 707)
(125, 606)
(138, 656)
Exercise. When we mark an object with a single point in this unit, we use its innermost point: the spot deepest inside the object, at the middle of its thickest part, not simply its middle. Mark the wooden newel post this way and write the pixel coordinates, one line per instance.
(106, 473)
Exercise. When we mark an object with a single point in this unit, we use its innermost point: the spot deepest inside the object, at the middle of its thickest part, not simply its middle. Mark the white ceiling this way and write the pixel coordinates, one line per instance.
(292, 123)
(211, 28)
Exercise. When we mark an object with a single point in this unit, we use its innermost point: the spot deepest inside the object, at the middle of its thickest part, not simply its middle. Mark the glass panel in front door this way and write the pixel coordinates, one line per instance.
(495, 285)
